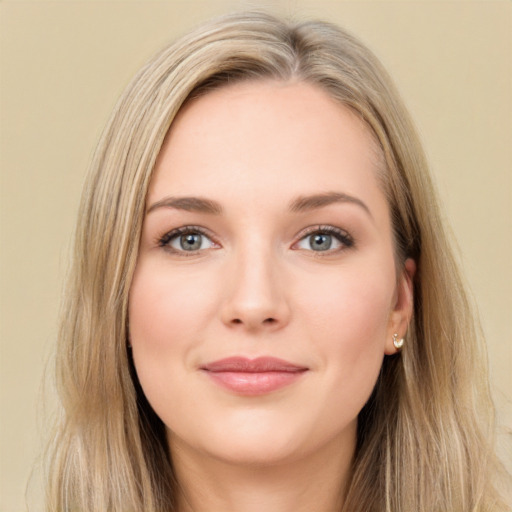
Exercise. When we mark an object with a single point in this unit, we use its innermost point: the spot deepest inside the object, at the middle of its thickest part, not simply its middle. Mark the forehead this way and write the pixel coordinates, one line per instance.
(266, 138)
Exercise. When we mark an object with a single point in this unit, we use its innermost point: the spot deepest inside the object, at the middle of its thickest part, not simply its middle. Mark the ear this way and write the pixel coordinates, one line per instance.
(402, 311)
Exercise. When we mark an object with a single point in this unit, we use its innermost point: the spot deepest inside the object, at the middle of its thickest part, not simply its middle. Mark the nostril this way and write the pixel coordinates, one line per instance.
(266, 321)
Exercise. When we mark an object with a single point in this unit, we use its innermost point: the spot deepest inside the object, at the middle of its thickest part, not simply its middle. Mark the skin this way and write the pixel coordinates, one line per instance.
(256, 287)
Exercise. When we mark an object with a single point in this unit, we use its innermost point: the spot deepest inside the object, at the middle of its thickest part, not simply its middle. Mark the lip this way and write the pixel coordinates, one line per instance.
(253, 376)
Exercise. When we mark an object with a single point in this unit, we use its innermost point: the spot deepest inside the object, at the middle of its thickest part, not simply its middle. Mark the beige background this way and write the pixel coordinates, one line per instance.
(62, 66)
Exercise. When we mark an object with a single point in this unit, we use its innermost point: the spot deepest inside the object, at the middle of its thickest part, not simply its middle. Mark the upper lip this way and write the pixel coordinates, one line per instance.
(258, 365)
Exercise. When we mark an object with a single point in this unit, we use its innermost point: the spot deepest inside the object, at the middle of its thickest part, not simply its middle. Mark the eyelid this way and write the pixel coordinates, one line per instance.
(163, 240)
(341, 235)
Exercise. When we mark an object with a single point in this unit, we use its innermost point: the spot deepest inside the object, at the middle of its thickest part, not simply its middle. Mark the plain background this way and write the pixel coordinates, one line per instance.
(63, 64)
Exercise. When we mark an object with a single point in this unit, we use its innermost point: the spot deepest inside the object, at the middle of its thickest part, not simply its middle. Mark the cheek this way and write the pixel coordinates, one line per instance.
(347, 316)
(168, 313)
(166, 307)
(350, 303)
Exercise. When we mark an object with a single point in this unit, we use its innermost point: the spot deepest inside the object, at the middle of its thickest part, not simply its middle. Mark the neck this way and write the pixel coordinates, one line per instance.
(313, 482)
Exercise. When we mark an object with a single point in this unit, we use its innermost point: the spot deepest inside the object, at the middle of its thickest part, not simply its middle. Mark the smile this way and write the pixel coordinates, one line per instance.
(253, 377)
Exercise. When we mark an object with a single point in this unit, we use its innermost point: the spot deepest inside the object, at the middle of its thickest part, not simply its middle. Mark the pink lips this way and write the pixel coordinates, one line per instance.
(253, 376)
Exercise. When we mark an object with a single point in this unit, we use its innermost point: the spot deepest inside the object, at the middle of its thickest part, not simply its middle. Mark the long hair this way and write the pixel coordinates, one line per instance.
(425, 437)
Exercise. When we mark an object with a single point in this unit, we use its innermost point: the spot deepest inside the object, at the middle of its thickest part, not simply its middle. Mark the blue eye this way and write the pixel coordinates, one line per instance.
(320, 242)
(189, 242)
(325, 239)
(186, 239)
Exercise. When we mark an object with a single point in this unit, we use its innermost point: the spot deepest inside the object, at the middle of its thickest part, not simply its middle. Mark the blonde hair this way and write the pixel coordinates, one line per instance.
(425, 438)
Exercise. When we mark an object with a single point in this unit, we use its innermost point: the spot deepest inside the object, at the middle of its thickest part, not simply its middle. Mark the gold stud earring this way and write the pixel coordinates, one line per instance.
(398, 343)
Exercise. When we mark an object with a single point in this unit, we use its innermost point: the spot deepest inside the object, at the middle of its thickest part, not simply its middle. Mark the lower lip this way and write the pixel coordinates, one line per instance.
(252, 384)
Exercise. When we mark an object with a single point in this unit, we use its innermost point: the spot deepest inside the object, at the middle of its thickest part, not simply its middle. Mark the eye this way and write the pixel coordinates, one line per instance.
(326, 238)
(186, 239)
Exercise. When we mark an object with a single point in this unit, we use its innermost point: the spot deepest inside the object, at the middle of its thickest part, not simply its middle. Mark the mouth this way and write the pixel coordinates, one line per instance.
(253, 376)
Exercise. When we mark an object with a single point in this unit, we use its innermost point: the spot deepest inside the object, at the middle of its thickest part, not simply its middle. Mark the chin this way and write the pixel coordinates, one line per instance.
(258, 452)
(258, 441)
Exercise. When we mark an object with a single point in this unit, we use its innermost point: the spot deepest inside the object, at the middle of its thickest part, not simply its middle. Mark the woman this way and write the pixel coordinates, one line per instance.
(264, 312)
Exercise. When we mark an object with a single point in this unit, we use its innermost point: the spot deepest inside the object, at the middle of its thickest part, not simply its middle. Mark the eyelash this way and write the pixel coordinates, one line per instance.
(340, 235)
(164, 240)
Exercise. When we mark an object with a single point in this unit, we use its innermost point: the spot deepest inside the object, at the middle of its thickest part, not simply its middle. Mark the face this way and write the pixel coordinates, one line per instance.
(265, 294)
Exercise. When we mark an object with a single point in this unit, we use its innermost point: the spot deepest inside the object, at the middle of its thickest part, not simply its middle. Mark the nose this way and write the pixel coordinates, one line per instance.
(256, 297)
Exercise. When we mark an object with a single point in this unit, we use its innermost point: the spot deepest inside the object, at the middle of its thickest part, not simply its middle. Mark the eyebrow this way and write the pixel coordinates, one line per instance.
(298, 205)
(306, 203)
(189, 204)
